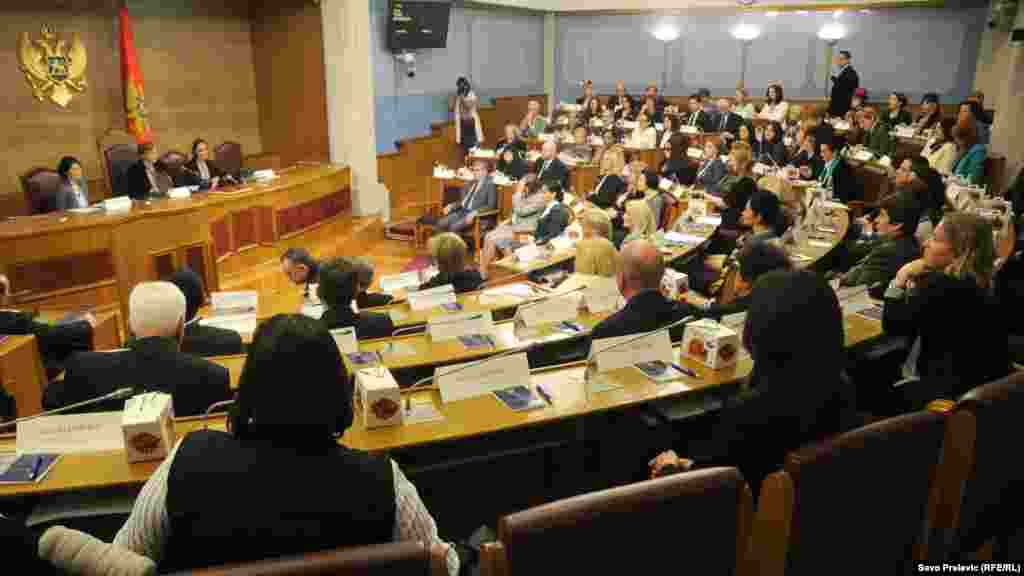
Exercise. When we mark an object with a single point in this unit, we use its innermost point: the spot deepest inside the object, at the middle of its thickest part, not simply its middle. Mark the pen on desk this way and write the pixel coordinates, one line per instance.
(544, 394)
(689, 372)
(35, 467)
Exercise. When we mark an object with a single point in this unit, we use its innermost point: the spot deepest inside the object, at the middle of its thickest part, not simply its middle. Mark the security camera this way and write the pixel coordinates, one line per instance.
(411, 72)
(409, 59)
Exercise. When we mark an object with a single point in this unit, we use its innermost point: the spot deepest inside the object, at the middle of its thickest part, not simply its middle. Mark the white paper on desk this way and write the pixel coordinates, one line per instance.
(346, 339)
(863, 155)
(180, 192)
(450, 327)
(518, 290)
(689, 129)
(710, 221)
(241, 323)
(678, 237)
(561, 243)
(401, 281)
(609, 354)
(528, 253)
(905, 131)
(426, 299)
(885, 161)
(314, 311)
(472, 379)
(422, 413)
(71, 434)
(239, 302)
(548, 310)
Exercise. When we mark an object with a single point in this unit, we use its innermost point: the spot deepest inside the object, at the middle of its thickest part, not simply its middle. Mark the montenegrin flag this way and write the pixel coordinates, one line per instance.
(134, 93)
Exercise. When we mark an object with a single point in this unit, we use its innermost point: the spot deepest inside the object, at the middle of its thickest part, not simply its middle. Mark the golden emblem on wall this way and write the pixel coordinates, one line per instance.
(54, 69)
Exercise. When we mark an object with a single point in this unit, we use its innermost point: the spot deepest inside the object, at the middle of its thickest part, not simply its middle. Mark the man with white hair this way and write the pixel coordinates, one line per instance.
(646, 308)
(549, 168)
(153, 361)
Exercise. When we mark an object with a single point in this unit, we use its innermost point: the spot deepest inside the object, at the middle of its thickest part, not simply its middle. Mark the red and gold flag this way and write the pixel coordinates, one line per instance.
(131, 74)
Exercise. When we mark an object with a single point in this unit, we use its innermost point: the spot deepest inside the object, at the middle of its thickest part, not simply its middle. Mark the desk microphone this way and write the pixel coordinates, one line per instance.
(119, 394)
(591, 361)
(214, 406)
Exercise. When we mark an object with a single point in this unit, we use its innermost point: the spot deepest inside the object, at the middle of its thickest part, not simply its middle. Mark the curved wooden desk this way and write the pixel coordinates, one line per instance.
(74, 259)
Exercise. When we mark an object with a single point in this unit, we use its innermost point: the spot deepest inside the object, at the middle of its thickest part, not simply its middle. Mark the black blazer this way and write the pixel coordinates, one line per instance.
(372, 299)
(844, 182)
(190, 173)
(843, 87)
(202, 340)
(763, 150)
(963, 334)
(135, 184)
(732, 124)
(802, 158)
(465, 281)
(556, 172)
(644, 312)
(615, 100)
(552, 224)
(150, 365)
(684, 172)
(701, 120)
(608, 191)
(56, 343)
(368, 326)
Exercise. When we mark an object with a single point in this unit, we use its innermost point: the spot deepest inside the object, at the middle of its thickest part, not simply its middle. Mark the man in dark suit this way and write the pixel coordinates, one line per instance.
(844, 85)
(364, 277)
(876, 134)
(549, 168)
(698, 118)
(895, 224)
(615, 103)
(153, 362)
(480, 196)
(836, 174)
(146, 178)
(646, 309)
(199, 339)
(728, 122)
(588, 94)
(337, 289)
(300, 267)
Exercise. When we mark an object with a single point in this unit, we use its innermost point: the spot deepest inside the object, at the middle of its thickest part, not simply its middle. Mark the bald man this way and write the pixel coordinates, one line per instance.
(646, 309)
(153, 361)
(549, 168)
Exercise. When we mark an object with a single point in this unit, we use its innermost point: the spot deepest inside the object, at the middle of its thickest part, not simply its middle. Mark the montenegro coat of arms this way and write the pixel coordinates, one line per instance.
(54, 69)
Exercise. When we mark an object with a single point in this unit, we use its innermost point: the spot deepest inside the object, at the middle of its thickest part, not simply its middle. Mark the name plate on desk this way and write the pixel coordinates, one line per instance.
(118, 204)
(346, 339)
(180, 192)
(462, 381)
(442, 328)
(689, 129)
(553, 309)
(609, 354)
(71, 434)
(239, 302)
(402, 281)
(426, 299)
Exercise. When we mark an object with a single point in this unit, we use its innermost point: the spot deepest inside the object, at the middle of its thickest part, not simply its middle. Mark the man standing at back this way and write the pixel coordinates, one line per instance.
(844, 84)
(153, 362)
(646, 309)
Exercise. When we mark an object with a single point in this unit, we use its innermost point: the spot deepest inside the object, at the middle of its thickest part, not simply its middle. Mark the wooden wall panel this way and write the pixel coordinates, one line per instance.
(288, 45)
(197, 61)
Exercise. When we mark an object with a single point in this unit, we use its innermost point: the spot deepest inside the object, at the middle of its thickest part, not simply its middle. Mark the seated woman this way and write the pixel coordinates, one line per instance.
(786, 403)
(899, 112)
(527, 205)
(610, 184)
(742, 135)
(595, 224)
(768, 146)
(337, 290)
(533, 124)
(627, 112)
(743, 106)
(940, 150)
(775, 108)
(971, 154)
(638, 221)
(644, 137)
(752, 261)
(448, 251)
(202, 340)
(593, 111)
(930, 116)
(712, 170)
(74, 190)
(736, 188)
(670, 129)
(677, 166)
(652, 110)
(596, 256)
(943, 304)
(200, 168)
(207, 504)
(511, 141)
(807, 161)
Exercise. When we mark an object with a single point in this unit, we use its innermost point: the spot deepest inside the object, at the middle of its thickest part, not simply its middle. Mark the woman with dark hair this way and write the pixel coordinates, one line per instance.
(940, 150)
(971, 154)
(199, 168)
(930, 113)
(677, 166)
(971, 113)
(775, 107)
(593, 111)
(794, 332)
(469, 133)
(898, 114)
(202, 340)
(770, 148)
(74, 190)
(511, 154)
(207, 504)
(669, 130)
(337, 289)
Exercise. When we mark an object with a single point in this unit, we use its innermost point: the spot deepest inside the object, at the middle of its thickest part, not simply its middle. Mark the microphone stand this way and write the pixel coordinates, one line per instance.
(119, 394)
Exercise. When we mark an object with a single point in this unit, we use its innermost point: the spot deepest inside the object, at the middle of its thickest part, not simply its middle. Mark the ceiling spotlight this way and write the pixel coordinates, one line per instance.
(832, 32)
(745, 32)
(666, 33)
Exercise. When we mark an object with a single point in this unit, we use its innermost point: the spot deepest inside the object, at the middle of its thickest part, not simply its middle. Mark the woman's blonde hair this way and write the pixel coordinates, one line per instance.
(449, 253)
(616, 158)
(973, 246)
(598, 221)
(597, 256)
(742, 156)
(641, 217)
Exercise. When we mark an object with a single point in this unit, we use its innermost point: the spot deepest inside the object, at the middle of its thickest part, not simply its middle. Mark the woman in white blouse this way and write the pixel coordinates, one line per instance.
(941, 149)
(775, 108)
(644, 136)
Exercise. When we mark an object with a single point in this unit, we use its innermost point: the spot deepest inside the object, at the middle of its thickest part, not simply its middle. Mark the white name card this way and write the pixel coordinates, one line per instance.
(601, 295)
(71, 434)
(550, 310)
(346, 339)
(905, 131)
(239, 302)
(452, 326)
(609, 354)
(461, 381)
(528, 253)
(118, 204)
(244, 324)
(180, 192)
(401, 281)
(426, 299)
(689, 129)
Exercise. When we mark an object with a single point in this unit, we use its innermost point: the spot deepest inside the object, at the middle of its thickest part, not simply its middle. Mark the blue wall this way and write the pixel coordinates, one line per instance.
(501, 52)
(908, 50)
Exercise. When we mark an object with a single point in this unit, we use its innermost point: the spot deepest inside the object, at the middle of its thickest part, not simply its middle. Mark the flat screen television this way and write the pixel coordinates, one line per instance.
(417, 24)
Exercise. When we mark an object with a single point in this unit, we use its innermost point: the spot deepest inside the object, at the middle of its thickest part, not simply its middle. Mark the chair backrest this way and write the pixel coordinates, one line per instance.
(995, 476)
(41, 186)
(699, 518)
(123, 142)
(393, 559)
(119, 158)
(866, 496)
(229, 157)
(173, 161)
